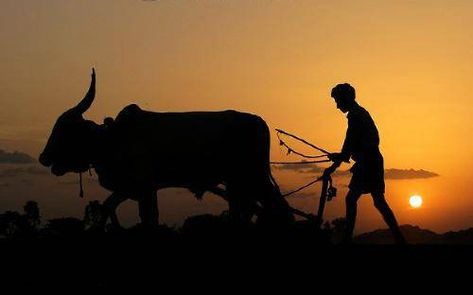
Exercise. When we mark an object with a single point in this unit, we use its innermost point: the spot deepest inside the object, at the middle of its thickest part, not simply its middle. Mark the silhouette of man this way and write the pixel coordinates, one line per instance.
(361, 144)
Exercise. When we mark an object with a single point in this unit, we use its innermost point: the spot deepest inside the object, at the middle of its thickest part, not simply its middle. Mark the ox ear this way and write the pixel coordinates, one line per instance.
(88, 99)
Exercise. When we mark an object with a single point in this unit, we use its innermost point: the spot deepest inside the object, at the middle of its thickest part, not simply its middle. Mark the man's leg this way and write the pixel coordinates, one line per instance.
(388, 215)
(351, 207)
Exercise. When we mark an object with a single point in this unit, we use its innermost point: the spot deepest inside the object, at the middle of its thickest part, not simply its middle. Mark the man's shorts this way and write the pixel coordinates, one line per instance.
(368, 176)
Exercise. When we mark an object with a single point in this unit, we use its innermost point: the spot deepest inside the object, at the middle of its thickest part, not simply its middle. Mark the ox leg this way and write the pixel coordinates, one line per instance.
(148, 207)
(241, 205)
(110, 209)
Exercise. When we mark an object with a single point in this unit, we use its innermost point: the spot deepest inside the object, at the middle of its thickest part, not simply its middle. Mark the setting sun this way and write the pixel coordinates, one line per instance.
(415, 201)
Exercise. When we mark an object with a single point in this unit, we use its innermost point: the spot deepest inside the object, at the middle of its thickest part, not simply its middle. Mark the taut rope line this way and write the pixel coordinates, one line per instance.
(301, 140)
(291, 150)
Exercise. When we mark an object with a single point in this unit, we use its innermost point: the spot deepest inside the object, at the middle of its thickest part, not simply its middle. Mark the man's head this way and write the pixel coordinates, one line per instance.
(344, 95)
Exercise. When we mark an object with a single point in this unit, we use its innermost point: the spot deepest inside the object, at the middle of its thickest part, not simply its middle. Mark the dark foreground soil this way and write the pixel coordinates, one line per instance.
(236, 262)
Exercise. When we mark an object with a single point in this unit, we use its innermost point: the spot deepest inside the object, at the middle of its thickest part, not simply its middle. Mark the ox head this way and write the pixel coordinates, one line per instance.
(69, 146)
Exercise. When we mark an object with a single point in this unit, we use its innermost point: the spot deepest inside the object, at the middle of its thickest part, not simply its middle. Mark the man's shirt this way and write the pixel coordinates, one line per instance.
(362, 138)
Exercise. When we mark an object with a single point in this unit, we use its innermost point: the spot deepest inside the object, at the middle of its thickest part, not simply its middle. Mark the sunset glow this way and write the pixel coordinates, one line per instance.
(415, 201)
(410, 62)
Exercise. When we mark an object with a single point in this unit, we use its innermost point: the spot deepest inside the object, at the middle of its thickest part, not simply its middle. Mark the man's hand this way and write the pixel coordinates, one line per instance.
(338, 157)
(335, 157)
(328, 171)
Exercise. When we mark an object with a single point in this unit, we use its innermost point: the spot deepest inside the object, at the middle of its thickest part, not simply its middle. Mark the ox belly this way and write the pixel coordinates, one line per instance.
(191, 150)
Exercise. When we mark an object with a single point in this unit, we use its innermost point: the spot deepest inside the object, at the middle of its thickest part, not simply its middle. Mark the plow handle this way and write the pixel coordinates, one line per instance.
(323, 199)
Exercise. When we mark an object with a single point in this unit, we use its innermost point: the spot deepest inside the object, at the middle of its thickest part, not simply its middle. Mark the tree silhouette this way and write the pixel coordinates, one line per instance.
(68, 226)
(32, 216)
(9, 223)
(13, 223)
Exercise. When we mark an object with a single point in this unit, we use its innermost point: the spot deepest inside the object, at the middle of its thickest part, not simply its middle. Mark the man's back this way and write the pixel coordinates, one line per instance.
(362, 138)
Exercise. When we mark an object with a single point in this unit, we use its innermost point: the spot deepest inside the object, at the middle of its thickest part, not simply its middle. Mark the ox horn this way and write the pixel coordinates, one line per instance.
(86, 102)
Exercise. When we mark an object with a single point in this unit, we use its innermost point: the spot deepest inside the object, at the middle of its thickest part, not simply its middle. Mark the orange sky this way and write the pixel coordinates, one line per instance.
(410, 61)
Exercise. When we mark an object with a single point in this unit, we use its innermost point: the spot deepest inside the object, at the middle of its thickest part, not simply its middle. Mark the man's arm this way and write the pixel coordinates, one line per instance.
(351, 137)
(328, 171)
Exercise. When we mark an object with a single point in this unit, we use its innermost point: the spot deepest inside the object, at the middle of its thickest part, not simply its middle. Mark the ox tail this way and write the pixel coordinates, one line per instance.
(279, 209)
(266, 142)
(273, 182)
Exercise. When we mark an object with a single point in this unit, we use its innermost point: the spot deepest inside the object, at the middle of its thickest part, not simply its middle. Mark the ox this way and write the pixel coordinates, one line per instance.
(140, 152)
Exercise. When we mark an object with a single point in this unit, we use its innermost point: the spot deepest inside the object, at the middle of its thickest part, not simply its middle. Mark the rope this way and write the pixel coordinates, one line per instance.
(291, 150)
(300, 163)
(302, 187)
(281, 142)
(81, 188)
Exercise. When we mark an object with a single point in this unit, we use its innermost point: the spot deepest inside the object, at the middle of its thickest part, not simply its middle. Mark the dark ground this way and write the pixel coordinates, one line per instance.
(236, 261)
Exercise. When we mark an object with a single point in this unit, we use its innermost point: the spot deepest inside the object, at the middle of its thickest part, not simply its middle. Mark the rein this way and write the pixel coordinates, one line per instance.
(290, 150)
